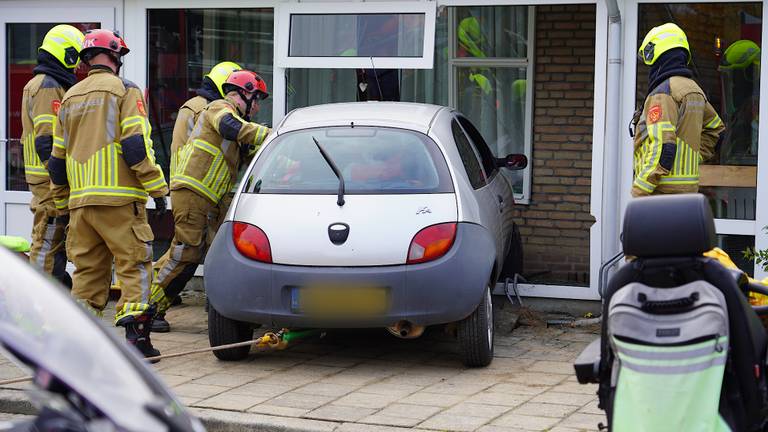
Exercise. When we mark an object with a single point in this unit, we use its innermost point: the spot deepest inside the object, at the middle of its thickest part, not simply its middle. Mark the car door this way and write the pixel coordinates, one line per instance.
(498, 187)
(483, 190)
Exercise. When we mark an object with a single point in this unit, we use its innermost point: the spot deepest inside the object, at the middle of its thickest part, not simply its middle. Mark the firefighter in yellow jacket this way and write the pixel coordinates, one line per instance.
(103, 169)
(678, 128)
(210, 90)
(206, 168)
(54, 74)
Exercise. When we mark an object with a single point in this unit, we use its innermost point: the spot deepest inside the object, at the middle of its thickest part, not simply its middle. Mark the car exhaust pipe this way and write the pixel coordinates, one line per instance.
(406, 330)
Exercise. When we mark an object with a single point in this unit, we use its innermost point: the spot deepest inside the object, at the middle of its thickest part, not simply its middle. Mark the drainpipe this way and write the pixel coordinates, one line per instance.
(613, 138)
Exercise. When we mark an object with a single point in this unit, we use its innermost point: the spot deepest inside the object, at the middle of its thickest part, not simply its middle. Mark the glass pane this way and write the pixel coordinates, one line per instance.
(357, 35)
(183, 46)
(306, 87)
(493, 98)
(22, 42)
(468, 157)
(735, 246)
(721, 37)
(492, 31)
(371, 160)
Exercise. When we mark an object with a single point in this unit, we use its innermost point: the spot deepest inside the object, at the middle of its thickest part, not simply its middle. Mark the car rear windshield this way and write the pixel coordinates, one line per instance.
(372, 160)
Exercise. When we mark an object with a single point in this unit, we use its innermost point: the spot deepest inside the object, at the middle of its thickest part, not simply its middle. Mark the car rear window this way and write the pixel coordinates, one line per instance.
(372, 160)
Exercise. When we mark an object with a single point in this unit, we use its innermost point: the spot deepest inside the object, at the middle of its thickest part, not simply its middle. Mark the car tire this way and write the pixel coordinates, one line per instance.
(513, 262)
(223, 331)
(475, 334)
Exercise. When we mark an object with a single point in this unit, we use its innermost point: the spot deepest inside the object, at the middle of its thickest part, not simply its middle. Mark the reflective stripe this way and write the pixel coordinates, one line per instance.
(154, 184)
(43, 118)
(679, 180)
(196, 185)
(111, 126)
(654, 144)
(61, 204)
(59, 143)
(109, 191)
(714, 123)
(644, 185)
(32, 163)
(206, 146)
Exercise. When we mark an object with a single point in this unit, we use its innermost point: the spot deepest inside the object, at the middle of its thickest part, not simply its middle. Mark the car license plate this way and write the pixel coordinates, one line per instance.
(334, 301)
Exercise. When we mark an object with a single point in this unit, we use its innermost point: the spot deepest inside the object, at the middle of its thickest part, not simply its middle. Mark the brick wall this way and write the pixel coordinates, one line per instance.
(555, 225)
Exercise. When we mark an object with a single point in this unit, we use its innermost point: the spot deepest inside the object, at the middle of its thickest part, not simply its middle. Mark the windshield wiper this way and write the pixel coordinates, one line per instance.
(340, 200)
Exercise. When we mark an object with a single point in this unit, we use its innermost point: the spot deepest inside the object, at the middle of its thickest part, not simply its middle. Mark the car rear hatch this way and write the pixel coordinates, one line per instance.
(396, 183)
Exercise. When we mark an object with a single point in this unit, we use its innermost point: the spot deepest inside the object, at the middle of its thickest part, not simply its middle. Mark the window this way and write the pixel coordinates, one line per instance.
(183, 46)
(23, 39)
(489, 162)
(716, 34)
(468, 157)
(372, 160)
(356, 34)
(482, 66)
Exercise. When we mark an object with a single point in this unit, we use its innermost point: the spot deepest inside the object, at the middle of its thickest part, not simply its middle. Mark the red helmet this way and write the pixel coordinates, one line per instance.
(104, 39)
(248, 81)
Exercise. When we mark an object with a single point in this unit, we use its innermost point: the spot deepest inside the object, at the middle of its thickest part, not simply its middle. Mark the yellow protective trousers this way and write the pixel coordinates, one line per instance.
(196, 220)
(97, 234)
(47, 251)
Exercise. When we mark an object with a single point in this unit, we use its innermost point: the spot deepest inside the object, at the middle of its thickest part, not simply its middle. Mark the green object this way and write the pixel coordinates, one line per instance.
(14, 243)
(295, 335)
(670, 388)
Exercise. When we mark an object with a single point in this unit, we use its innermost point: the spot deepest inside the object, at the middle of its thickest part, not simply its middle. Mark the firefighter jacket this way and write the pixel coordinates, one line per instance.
(182, 128)
(102, 150)
(220, 142)
(677, 130)
(40, 101)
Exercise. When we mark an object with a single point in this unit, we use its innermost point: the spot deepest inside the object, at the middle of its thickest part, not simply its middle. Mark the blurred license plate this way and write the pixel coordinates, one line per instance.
(335, 301)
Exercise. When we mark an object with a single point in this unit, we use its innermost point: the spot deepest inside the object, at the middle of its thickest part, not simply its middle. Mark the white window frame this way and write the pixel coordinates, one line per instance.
(722, 226)
(283, 22)
(528, 62)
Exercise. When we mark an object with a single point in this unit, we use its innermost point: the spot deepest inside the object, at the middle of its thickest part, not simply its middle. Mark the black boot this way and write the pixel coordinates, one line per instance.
(160, 324)
(137, 329)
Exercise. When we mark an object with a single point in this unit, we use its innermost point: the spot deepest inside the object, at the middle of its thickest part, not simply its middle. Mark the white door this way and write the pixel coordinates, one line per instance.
(22, 28)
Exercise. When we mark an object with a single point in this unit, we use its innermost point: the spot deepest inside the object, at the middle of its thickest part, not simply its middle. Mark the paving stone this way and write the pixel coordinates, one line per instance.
(432, 399)
(366, 400)
(477, 410)
(575, 387)
(495, 398)
(532, 423)
(464, 389)
(552, 367)
(583, 421)
(418, 412)
(492, 428)
(260, 390)
(390, 389)
(300, 400)
(452, 422)
(359, 427)
(228, 401)
(265, 408)
(340, 413)
(223, 379)
(390, 420)
(326, 389)
(518, 389)
(554, 397)
(174, 380)
(591, 408)
(536, 377)
(545, 409)
(199, 391)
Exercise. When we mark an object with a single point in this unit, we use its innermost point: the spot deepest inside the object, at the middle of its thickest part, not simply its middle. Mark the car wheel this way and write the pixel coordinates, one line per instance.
(475, 334)
(223, 331)
(513, 262)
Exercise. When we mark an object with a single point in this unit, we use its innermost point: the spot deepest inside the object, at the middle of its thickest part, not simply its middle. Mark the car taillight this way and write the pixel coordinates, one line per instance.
(431, 243)
(251, 241)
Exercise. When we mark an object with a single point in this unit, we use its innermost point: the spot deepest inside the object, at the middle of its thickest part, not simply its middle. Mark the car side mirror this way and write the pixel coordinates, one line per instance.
(514, 161)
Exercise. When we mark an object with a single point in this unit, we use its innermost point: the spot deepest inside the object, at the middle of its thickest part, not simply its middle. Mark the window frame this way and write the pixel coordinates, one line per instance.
(283, 23)
(454, 63)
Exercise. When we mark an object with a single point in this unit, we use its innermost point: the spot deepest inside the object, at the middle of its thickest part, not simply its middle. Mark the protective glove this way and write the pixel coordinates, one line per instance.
(160, 205)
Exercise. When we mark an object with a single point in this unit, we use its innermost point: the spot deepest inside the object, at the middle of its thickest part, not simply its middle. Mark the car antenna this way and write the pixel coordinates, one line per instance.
(340, 200)
(378, 84)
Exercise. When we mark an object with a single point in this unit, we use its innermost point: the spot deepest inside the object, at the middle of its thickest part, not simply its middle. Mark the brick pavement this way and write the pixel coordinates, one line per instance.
(369, 380)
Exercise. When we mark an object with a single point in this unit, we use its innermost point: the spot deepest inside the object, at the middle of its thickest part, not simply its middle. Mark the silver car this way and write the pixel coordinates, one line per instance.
(370, 214)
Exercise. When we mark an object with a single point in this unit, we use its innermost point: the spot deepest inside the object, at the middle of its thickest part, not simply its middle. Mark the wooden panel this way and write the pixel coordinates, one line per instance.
(728, 175)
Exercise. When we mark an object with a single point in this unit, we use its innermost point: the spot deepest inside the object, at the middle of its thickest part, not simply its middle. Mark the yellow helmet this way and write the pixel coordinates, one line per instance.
(64, 42)
(220, 73)
(740, 55)
(660, 40)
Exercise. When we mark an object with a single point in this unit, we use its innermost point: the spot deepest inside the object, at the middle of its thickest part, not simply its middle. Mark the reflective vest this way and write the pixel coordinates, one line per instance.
(41, 98)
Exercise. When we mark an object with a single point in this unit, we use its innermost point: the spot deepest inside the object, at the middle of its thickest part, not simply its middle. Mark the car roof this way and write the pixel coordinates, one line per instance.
(406, 115)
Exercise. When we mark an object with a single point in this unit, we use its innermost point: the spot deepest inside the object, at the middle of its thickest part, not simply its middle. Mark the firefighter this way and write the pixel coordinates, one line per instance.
(209, 91)
(677, 128)
(57, 59)
(207, 166)
(103, 169)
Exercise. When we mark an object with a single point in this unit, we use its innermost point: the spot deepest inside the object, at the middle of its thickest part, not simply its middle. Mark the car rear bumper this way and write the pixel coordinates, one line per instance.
(441, 291)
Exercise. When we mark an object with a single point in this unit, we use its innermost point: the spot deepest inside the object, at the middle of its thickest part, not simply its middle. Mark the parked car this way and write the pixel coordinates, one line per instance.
(86, 378)
(370, 214)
